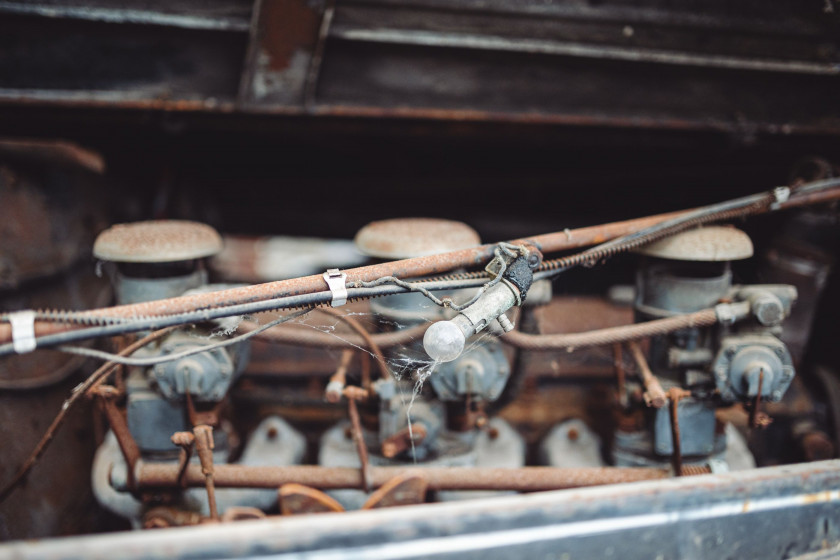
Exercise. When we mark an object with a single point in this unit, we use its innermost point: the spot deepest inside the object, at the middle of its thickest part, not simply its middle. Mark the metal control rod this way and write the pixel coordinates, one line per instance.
(407, 268)
(525, 479)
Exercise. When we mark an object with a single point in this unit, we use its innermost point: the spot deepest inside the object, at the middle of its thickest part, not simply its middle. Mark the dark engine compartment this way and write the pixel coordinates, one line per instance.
(289, 125)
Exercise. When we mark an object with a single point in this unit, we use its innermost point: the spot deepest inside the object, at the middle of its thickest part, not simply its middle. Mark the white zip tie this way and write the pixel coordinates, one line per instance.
(23, 331)
(336, 282)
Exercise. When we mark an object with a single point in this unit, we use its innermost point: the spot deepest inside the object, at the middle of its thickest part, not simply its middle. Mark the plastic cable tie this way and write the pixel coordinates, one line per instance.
(23, 331)
(336, 280)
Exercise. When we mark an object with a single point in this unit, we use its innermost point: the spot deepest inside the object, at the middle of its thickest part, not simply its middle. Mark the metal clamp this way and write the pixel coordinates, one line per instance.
(23, 331)
(782, 194)
(724, 313)
(336, 282)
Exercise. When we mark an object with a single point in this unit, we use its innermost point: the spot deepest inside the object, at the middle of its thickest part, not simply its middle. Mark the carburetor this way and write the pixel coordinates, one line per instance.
(694, 371)
(408, 423)
(184, 393)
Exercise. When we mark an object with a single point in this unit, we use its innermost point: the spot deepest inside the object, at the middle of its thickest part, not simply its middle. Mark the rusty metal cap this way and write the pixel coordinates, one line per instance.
(405, 238)
(157, 241)
(709, 244)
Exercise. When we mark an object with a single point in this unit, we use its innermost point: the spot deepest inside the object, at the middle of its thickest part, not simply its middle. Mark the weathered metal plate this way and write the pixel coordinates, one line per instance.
(406, 238)
(708, 244)
(157, 241)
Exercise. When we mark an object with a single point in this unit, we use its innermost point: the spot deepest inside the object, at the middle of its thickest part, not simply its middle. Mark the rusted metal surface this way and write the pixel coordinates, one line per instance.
(772, 512)
(407, 268)
(526, 479)
(163, 517)
(56, 499)
(283, 38)
(54, 152)
(674, 396)
(405, 238)
(41, 235)
(338, 380)
(755, 405)
(571, 314)
(608, 336)
(708, 244)
(157, 241)
(242, 513)
(107, 396)
(296, 499)
(204, 449)
(370, 343)
(184, 440)
(403, 490)
(817, 446)
(361, 447)
(293, 334)
(382, 60)
(401, 441)
(80, 288)
(654, 395)
(620, 375)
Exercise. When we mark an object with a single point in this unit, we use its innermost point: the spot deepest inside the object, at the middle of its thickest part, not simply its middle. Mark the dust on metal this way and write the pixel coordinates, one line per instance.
(523, 479)
(409, 268)
(707, 244)
(296, 499)
(405, 490)
(414, 237)
(157, 241)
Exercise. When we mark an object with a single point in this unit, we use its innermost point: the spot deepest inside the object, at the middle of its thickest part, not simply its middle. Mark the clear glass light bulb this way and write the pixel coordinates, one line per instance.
(444, 341)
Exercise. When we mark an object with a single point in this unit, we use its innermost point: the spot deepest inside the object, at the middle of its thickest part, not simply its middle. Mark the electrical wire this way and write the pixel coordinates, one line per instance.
(508, 248)
(96, 378)
(290, 302)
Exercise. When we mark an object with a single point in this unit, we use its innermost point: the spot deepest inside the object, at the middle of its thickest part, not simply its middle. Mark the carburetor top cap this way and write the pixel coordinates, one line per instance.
(707, 244)
(405, 238)
(157, 241)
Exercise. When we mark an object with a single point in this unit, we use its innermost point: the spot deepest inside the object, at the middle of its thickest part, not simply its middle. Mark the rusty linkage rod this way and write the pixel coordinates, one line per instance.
(304, 336)
(813, 193)
(370, 342)
(87, 387)
(107, 396)
(654, 394)
(623, 333)
(524, 479)
(204, 449)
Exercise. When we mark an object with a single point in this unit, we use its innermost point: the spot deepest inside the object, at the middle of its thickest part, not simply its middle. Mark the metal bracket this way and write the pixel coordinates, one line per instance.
(724, 313)
(782, 194)
(336, 282)
(23, 331)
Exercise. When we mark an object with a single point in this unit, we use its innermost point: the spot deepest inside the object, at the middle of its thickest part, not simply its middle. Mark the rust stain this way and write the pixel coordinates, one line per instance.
(824, 496)
(286, 26)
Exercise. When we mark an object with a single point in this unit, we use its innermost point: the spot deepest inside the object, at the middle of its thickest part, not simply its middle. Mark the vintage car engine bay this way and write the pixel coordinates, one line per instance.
(391, 299)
